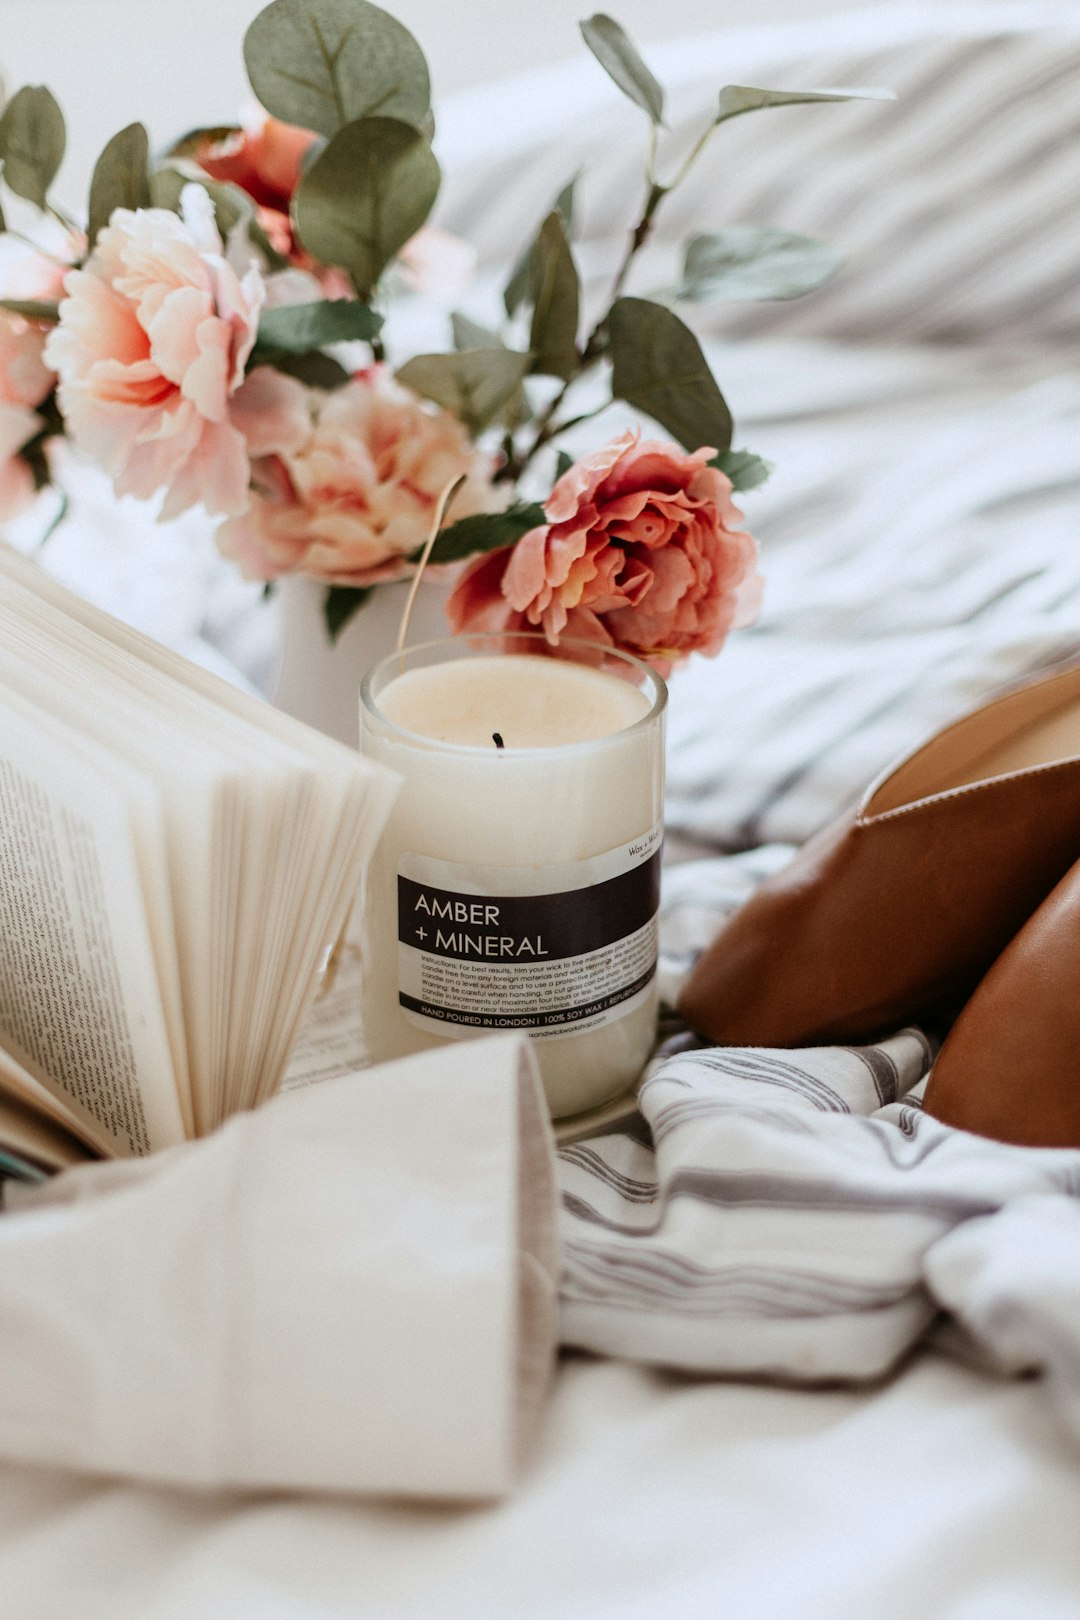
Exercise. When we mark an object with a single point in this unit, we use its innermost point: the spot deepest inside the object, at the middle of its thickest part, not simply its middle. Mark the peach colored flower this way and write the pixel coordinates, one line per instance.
(359, 495)
(641, 551)
(25, 382)
(151, 348)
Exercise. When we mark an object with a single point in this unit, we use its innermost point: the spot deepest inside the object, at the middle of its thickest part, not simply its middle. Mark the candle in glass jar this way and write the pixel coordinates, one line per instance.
(517, 883)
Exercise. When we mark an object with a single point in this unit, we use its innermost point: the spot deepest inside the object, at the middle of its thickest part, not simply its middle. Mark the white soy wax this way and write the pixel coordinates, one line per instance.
(517, 881)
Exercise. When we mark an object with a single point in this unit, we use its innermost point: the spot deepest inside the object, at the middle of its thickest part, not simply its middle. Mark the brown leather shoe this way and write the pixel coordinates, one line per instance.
(898, 911)
(1010, 1067)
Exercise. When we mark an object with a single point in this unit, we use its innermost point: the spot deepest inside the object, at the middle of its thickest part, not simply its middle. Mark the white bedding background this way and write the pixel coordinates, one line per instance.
(920, 542)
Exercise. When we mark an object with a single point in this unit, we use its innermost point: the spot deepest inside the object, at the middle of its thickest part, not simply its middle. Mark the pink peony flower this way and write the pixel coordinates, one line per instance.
(25, 382)
(359, 495)
(151, 347)
(641, 551)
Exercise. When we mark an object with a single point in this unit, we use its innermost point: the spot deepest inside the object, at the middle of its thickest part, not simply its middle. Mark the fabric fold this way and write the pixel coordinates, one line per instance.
(780, 1214)
(351, 1289)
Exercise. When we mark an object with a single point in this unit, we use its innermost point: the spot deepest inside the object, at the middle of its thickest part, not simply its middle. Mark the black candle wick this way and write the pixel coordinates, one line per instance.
(497, 740)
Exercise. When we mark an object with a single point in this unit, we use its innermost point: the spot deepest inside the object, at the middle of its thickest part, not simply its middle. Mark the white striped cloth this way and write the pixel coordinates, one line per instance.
(789, 1213)
(919, 537)
(920, 549)
(955, 204)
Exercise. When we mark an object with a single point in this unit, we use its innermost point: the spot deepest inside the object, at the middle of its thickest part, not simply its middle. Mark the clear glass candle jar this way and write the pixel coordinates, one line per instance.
(517, 884)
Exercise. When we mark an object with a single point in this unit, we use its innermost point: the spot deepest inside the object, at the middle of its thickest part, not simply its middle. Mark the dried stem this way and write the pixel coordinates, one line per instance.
(442, 507)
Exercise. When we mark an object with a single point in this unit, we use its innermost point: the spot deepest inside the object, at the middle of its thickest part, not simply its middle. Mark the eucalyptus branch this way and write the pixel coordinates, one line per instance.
(692, 156)
(375, 343)
(548, 426)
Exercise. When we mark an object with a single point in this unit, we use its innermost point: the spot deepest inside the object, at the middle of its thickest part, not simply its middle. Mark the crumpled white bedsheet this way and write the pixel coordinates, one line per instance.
(943, 1496)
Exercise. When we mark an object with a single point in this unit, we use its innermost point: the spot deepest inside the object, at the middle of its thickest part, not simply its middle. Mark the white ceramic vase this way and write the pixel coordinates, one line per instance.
(319, 680)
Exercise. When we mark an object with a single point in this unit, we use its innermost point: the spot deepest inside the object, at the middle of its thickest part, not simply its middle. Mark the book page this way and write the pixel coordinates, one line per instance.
(26, 1133)
(79, 1003)
(331, 1042)
(253, 910)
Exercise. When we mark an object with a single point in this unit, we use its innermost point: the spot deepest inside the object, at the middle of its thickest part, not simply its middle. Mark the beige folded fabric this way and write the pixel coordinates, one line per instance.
(352, 1289)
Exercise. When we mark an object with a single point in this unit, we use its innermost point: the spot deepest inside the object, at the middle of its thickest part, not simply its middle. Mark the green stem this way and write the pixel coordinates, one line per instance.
(638, 237)
(548, 426)
(366, 297)
(692, 156)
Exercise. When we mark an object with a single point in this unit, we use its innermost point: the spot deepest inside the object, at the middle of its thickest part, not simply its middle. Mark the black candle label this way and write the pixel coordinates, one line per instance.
(549, 950)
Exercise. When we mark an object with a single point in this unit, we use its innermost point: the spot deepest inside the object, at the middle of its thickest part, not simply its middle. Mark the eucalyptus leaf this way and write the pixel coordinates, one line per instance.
(32, 142)
(521, 288)
(553, 334)
(745, 470)
(621, 61)
(323, 64)
(194, 141)
(317, 370)
(564, 204)
(743, 98)
(475, 383)
(299, 328)
(231, 205)
(563, 464)
(166, 186)
(485, 531)
(34, 454)
(340, 603)
(469, 334)
(753, 261)
(658, 367)
(121, 178)
(366, 194)
(32, 309)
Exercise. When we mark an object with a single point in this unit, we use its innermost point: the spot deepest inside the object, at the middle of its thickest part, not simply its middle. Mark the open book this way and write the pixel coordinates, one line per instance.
(177, 860)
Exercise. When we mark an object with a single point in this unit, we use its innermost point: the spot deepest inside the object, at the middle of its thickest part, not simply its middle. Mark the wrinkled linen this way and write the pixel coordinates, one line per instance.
(1011, 1281)
(790, 1213)
(351, 1289)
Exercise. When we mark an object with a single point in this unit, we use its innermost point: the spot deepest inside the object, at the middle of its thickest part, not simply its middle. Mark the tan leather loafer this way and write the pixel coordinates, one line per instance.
(1010, 1067)
(897, 912)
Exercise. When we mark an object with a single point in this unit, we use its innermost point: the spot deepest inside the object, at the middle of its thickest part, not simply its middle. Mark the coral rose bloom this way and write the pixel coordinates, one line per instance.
(642, 551)
(265, 158)
(151, 347)
(359, 495)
